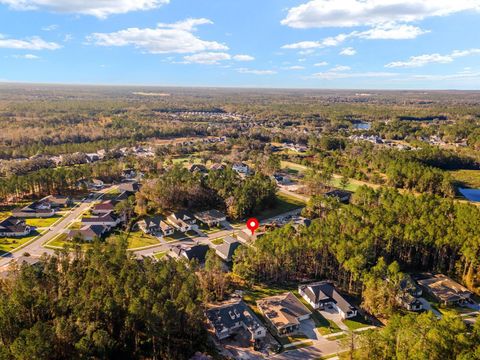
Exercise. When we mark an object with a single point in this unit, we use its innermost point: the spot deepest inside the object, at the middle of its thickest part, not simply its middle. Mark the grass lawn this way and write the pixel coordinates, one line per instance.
(10, 244)
(177, 235)
(293, 166)
(209, 230)
(43, 222)
(138, 239)
(218, 241)
(75, 225)
(160, 255)
(285, 203)
(61, 241)
(467, 178)
(5, 214)
(357, 322)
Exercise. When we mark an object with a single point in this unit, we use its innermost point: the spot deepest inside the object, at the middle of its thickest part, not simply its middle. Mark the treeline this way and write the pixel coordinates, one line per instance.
(421, 337)
(421, 233)
(60, 180)
(178, 188)
(102, 304)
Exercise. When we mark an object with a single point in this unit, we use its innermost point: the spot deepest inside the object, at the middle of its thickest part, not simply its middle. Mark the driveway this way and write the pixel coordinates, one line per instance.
(333, 315)
(308, 328)
(428, 307)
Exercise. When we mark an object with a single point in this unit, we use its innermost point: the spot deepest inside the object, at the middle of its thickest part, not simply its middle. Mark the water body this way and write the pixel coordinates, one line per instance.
(471, 194)
(362, 126)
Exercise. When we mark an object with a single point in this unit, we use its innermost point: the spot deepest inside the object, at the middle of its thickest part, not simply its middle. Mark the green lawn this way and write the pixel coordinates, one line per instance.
(160, 255)
(177, 235)
(218, 241)
(138, 239)
(293, 166)
(467, 178)
(285, 203)
(43, 222)
(10, 244)
(61, 241)
(357, 322)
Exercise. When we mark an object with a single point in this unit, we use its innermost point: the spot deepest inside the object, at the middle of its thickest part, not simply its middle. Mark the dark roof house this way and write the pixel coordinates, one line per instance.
(227, 248)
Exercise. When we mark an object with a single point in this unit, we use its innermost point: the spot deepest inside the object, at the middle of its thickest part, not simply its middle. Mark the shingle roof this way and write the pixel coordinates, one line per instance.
(324, 291)
(283, 310)
(226, 316)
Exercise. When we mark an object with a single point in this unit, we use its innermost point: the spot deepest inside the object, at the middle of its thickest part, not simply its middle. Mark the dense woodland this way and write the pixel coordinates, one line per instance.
(101, 304)
(419, 232)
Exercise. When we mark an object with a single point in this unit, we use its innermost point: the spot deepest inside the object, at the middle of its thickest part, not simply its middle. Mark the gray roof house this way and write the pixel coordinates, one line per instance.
(229, 318)
(211, 217)
(155, 225)
(323, 295)
(88, 232)
(227, 248)
(14, 227)
(182, 221)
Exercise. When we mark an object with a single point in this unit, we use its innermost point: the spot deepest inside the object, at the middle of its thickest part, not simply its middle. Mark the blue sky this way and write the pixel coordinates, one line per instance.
(380, 44)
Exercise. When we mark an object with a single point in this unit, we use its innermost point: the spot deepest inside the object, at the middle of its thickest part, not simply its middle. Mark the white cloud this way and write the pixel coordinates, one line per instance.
(27, 56)
(349, 51)
(340, 68)
(98, 8)
(33, 43)
(331, 75)
(165, 38)
(349, 13)
(49, 27)
(321, 63)
(256, 72)
(460, 75)
(389, 31)
(208, 58)
(422, 60)
(296, 67)
(243, 58)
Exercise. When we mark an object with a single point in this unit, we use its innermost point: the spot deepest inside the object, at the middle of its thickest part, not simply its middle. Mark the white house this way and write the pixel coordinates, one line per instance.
(323, 295)
(241, 168)
(182, 221)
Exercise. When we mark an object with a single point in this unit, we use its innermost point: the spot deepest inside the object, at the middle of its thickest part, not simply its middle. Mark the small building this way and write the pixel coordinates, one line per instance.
(227, 248)
(88, 232)
(104, 207)
(281, 179)
(14, 227)
(409, 294)
(198, 168)
(445, 290)
(182, 221)
(245, 236)
(130, 187)
(342, 195)
(36, 209)
(197, 252)
(241, 168)
(227, 319)
(155, 225)
(109, 220)
(323, 295)
(284, 311)
(217, 167)
(211, 217)
(58, 201)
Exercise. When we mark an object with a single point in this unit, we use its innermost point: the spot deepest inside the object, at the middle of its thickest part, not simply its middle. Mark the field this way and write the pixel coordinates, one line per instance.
(285, 203)
(10, 244)
(160, 255)
(467, 178)
(356, 323)
(138, 239)
(43, 222)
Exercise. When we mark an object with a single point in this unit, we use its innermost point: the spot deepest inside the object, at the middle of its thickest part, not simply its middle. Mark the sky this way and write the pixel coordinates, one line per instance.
(359, 44)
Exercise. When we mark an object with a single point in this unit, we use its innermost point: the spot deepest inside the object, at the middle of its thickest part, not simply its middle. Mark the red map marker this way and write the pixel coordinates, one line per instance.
(252, 225)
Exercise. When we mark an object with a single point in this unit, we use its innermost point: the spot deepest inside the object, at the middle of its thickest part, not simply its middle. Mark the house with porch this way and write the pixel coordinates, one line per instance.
(14, 227)
(183, 221)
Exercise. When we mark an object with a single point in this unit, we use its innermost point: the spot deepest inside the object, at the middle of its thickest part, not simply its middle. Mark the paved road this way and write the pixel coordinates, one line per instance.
(321, 348)
(36, 248)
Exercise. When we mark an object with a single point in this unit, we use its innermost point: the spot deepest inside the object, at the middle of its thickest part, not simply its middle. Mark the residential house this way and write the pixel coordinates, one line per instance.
(36, 209)
(88, 232)
(200, 168)
(57, 201)
(197, 252)
(227, 319)
(182, 221)
(109, 220)
(246, 236)
(281, 179)
(241, 168)
(227, 248)
(131, 187)
(284, 311)
(104, 207)
(211, 217)
(342, 195)
(445, 290)
(14, 227)
(409, 294)
(323, 295)
(217, 166)
(155, 225)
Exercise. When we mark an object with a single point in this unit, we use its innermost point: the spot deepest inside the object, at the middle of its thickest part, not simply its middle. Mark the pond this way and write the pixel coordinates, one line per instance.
(471, 194)
(362, 126)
